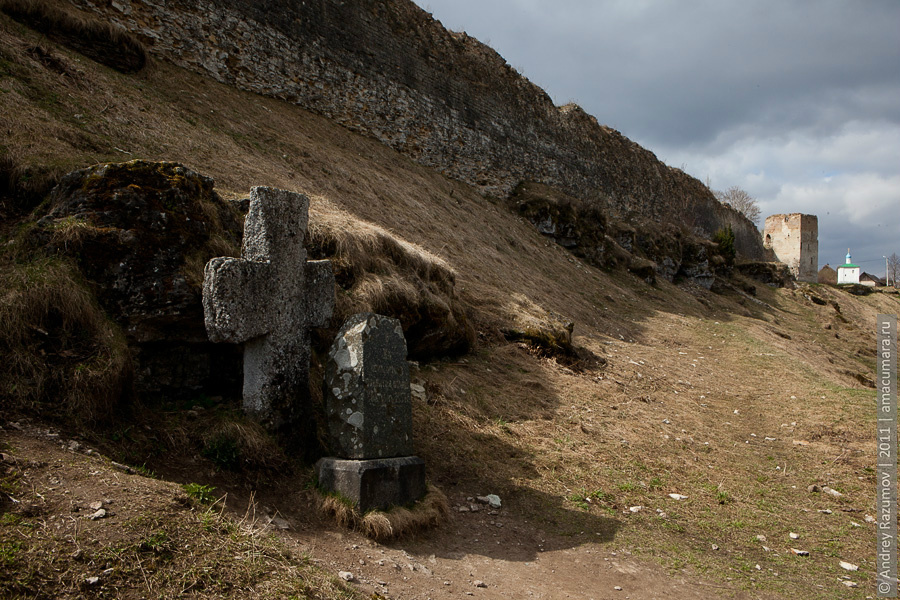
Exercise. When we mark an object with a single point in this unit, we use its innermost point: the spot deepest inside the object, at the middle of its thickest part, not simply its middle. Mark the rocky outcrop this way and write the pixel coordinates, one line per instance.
(649, 250)
(774, 274)
(140, 232)
(389, 71)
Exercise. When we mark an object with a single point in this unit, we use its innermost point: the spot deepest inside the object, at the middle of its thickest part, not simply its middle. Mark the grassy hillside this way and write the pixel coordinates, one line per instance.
(739, 401)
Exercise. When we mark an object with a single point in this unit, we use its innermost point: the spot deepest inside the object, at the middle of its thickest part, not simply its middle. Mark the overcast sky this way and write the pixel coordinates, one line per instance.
(795, 101)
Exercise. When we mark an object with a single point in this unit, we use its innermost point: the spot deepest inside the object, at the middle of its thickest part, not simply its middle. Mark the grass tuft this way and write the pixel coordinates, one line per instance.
(395, 523)
(382, 273)
(103, 42)
(63, 357)
(23, 187)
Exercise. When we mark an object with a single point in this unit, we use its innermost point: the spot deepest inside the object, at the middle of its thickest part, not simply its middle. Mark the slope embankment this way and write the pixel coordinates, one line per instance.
(391, 72)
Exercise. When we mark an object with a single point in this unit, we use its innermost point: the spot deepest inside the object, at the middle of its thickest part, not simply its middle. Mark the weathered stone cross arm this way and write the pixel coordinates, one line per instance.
(235, 313)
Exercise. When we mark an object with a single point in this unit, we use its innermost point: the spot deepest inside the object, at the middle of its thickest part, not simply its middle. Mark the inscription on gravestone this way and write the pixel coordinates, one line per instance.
(367, 396)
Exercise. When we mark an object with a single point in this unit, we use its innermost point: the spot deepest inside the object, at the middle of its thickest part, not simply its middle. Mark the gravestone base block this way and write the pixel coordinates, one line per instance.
(377, 483)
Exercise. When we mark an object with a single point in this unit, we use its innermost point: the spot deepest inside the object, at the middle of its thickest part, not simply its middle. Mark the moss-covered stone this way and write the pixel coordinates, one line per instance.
(139, 231)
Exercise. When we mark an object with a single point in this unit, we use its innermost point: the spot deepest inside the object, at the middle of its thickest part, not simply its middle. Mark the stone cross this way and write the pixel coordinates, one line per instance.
(269, 299)
(366, 389)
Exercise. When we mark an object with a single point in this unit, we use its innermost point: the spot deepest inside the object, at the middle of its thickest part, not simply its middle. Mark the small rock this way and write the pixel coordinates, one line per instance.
(121, 467)
(677, 497)
(855, 524)
(92, 580)
(849, 566)
(870, 519)
(766, 549)
(96, 505)
(802, 443)
(346, 575)
(463, 509)
(825, 511)
(446, 583)
(794, 536)
(834, 493)
(636, 509)
(715, 547)
(800, 552)
(618, 588)
(279, 523)
(479, 584)
(850, 584)
(100, 514)
(758, 568)
(761, 538)
(491, 499)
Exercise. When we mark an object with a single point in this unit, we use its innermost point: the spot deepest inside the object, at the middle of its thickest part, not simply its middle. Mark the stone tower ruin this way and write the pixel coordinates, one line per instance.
(794, 239)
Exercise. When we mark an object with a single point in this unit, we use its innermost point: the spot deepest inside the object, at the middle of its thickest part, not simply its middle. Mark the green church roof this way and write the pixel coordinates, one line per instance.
(848, 266)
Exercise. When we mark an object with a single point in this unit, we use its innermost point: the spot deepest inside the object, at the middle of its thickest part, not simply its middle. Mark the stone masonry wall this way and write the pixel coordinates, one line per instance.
(386, 69)
(795, 240)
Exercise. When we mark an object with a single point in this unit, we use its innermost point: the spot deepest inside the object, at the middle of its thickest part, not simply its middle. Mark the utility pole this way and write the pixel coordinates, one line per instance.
(887, 274)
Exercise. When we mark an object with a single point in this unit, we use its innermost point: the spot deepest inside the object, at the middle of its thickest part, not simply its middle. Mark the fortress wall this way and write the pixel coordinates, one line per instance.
(386, 69)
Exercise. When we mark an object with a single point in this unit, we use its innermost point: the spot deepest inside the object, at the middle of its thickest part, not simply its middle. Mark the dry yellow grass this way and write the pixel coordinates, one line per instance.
(694, 382)
(381, 273)
(392, 524)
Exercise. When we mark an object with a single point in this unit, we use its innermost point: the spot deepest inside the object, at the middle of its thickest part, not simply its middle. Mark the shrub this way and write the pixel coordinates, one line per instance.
(725, 240)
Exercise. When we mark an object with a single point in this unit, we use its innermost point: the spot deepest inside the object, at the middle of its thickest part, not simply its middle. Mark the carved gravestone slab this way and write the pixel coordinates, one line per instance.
(366, 390)
(367, 400)
(269, 299)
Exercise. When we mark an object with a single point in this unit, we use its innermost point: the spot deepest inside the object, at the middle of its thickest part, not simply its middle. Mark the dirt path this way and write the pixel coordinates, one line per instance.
(507, 556)
(482, 554)
(492, 555)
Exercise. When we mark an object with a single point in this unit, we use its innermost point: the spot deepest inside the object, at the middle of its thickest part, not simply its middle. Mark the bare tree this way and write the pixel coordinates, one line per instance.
(893, 268)
(741, 201)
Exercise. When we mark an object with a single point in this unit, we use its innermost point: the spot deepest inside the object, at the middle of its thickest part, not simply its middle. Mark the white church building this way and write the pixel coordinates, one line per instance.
(848, 272)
